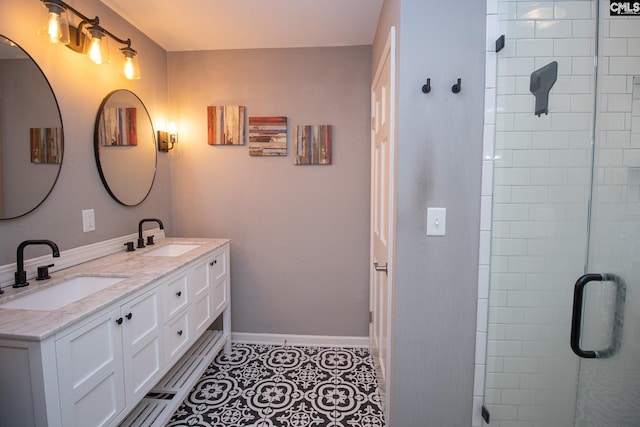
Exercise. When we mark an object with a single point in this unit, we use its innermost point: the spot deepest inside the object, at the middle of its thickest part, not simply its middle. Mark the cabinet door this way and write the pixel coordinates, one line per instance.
(220, 273)
(201, 295)
(142, 343)
(90, 373)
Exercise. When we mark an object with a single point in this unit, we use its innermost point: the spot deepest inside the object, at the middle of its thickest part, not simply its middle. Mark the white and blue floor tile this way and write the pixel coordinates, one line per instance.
(274, 386)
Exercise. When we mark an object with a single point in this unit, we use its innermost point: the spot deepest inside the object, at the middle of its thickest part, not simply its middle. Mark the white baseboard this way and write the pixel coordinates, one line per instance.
(74, 256)
(299, 340)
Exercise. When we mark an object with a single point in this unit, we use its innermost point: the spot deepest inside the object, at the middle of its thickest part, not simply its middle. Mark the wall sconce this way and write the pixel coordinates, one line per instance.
(167, 139)
(88, 37)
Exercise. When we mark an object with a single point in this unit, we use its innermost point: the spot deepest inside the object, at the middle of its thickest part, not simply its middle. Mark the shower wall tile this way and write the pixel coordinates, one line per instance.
(573, 10)
(553, 29)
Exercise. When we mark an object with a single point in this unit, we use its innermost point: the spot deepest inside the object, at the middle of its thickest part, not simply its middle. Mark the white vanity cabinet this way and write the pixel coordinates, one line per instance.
(110, 361)
(97, 369)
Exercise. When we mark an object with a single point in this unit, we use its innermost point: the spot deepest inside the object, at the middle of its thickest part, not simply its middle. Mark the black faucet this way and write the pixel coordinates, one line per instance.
(142, 221)
(21, 274)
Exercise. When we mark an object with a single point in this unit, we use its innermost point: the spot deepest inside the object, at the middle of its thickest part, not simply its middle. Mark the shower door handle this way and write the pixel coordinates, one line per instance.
(576, 320)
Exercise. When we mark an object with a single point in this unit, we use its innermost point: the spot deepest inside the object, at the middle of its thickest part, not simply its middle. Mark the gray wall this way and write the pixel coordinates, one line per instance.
(439, 138)
(300, 234)
(80, 86)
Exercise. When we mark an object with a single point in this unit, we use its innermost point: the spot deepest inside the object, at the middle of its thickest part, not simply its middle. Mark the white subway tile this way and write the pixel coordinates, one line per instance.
(487, 178)
(515, 103)
(624, 65)
(520, 365)
(512, 176)
(582, 103)
(553, 29)
(530, 158)
(613, 84)
(568, 194)
(609, 157)
(619, 102)
(522, 299)
(584, 28)
(612, 121)
(570, 121)
(486, 204)
(506, 85)
(508, 281)
(534, 10)
(525, 264)
(615, 139)
(476, 418)
(502, 381)
(514, 140)
(491, 70)
(478, 381)
(614, 47)
(573, 10)
(580, 139)
(535, 47)
(482, 315)
(583, 65)
(485, 247)
(522, 332)
(569, 158)
(504, 122)
(481, 348)
(573, 85)
(530, 194)
(483, 281)
(492, 7)
(551, 140)
(548, 176)
(625, 28)
(488, 141)
(564, 63)
(509, 247)
(631, 158)
(530, 122)
(514, 66)
(490, 106)
(514, 30)
(491, 32)
(573, 47)
(634, 46)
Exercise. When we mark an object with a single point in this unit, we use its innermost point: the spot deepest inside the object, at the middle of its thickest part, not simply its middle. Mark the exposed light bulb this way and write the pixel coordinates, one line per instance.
(129, 70)
(54, 30)
(95, 50)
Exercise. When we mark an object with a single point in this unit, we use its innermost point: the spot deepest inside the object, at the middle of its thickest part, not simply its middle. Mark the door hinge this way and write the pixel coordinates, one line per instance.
(371, 317)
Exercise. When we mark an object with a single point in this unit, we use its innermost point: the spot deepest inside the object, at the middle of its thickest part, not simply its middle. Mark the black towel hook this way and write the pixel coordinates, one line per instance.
(456, 87)
(426, 88)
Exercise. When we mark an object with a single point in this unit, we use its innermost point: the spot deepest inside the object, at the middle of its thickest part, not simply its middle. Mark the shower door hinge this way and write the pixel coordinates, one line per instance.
(485, 414)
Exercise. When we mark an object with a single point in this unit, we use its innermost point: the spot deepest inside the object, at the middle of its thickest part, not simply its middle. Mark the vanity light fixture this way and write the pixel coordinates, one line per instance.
(167, 139)
(88, 37)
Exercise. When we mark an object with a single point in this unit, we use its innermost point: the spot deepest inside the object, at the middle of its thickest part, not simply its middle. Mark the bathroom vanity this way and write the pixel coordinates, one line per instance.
(141, 327)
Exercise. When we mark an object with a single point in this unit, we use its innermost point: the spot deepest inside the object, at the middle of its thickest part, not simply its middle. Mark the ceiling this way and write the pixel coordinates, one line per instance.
(251, 24)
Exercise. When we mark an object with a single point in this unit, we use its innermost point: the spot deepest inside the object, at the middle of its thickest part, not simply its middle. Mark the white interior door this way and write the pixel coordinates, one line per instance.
(382, 212)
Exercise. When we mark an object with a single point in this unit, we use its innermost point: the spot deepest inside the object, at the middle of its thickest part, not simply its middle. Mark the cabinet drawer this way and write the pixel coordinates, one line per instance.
(176, 295)
(177, 335)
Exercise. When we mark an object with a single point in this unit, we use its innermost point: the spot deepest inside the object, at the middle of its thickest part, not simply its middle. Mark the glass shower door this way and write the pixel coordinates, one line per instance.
(566, 202)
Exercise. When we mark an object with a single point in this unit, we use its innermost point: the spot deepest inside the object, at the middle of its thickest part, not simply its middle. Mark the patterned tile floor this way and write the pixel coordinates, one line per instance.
(273, 386)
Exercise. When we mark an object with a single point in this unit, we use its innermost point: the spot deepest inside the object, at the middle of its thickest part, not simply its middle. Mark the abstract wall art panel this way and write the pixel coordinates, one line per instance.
(226, 125)
(313, 145)
(267, 136)
(118, 126)
(46, 145)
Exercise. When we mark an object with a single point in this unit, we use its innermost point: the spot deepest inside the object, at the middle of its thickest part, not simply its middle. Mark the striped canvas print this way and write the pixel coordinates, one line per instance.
(226, 125)
(313, 145)
(46, 145)
(118, 126)
(267, 136)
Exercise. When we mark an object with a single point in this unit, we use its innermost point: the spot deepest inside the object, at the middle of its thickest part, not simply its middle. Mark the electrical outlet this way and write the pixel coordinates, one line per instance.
(88, 220)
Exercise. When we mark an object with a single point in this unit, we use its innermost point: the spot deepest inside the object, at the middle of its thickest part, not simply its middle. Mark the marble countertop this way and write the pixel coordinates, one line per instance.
(137, 270)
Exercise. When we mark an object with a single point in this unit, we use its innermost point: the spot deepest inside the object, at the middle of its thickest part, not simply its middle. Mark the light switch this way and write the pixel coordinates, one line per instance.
(436, 221)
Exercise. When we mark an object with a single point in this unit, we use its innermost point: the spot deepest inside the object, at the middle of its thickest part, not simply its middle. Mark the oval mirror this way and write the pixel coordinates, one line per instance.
(125, 147)
(31, 136)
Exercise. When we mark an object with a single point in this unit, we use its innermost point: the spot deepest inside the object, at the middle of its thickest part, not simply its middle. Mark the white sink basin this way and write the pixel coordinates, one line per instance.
(172, 249)
(56, 296)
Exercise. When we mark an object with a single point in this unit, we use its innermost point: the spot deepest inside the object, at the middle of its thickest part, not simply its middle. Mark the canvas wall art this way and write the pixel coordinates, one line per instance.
(313, 145)
(46, 145)
(226, 125)
(267, 136)
(118, 127)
